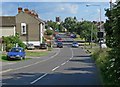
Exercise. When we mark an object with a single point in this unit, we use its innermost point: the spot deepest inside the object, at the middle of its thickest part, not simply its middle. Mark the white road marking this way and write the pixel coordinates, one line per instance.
(34, 63)
(55, 68)
(67, 61)
(6, 71)
(38, 78)
(63, 63)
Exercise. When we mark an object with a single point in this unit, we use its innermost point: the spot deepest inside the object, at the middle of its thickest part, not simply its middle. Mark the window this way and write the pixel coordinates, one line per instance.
(23, 28)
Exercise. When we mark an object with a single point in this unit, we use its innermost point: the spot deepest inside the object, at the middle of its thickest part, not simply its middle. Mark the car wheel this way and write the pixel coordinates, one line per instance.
(8, 58)
(21, 58)
(24, 57)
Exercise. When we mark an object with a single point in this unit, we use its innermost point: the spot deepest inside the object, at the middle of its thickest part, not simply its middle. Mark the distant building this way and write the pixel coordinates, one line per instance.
(7, 25)
(57, 19)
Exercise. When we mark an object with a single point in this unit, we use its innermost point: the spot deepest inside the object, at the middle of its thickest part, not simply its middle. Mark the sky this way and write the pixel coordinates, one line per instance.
(49, 10)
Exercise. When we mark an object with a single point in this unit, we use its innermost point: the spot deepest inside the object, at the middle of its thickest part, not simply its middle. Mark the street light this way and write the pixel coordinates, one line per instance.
(99, 12)
(100, 21)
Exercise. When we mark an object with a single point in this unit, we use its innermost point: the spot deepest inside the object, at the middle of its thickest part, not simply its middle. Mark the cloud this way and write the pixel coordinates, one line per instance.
(67, 8)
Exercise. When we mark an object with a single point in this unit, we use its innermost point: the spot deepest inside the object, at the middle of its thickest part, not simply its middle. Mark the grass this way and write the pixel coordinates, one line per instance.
(36, 54)
(78, 38)
(101, 58)
(4, 59)
(31, 54)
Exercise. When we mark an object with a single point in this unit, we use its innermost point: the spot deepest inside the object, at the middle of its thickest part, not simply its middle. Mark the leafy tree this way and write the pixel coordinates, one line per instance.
(11, 41)
(87, 28)
(112, 27)
(70, 24)
(52, 24)
(49, 32)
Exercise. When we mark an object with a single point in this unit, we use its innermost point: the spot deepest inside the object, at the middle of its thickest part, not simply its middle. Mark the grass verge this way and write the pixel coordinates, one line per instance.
(101, 59)
(4, 59)
(36, 54)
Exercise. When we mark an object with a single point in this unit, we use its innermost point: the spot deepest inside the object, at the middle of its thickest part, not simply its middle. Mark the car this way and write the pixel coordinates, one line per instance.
(75, 44)
(73, 36)
(30, 46)
(43, 46)
(16, 53)
(59, 39)
(60, 44)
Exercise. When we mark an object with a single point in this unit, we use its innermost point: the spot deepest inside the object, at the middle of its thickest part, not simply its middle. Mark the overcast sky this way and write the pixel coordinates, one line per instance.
(49, 10)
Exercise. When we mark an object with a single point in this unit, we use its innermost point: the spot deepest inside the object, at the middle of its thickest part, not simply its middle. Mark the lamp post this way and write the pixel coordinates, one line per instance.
(99, 19)
(99, 12)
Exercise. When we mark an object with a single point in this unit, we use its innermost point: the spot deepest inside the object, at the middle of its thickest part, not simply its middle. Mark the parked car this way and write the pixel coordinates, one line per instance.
(16, 53)
(30, 46)
(60, 44)
(43, 46)
(75, 44)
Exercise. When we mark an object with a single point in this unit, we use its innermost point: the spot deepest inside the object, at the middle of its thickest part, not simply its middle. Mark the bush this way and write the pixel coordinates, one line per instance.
(49, 32)
(11, 41)
(108, 66)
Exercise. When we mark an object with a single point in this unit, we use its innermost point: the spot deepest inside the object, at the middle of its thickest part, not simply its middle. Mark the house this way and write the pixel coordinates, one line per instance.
(29, 26)
(7, 25)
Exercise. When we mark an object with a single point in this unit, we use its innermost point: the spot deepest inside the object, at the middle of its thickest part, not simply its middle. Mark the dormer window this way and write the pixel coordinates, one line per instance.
(23, 28)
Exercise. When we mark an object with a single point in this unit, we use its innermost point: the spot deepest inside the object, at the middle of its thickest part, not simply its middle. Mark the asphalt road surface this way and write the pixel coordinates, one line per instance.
(63, 66)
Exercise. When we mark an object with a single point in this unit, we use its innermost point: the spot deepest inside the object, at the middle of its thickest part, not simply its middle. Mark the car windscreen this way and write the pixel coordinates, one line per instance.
(75, 43)
(16, 50)
(59, 43)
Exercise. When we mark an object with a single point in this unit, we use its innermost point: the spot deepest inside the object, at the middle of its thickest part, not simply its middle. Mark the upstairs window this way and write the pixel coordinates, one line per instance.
(23, 28)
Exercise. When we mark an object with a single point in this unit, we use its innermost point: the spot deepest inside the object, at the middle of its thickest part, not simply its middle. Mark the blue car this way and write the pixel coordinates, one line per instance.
(16, 53)
(75, 44)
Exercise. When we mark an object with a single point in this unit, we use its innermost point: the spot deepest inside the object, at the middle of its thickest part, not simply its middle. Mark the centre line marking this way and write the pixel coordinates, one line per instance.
(67, 61)
(38, 78)
(55, 68)
(63, 63)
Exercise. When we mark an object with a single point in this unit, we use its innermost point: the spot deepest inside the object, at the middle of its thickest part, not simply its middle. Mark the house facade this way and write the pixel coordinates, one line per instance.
(7, 26)
(29, 27)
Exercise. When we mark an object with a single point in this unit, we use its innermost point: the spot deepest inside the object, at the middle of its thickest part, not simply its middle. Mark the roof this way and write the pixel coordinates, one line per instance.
(37, 18)
(8, 21)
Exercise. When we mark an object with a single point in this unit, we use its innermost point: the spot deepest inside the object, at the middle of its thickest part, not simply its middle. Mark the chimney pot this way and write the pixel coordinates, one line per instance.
(26, 10)
(19, 9)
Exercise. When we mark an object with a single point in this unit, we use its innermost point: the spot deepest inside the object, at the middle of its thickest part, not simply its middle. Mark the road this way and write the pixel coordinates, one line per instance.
(63, 66)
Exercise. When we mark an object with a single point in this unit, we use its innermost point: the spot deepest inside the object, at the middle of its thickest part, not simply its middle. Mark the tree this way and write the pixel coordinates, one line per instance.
(87, 28)
(11, 41)
(49, 32)
(112, 27)
(70, 24)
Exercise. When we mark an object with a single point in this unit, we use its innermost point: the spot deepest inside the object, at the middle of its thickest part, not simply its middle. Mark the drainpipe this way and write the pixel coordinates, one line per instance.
(41, 34)
(14, 31)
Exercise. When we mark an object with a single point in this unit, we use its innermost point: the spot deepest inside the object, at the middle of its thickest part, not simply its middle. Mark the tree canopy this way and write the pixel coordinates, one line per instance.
(112, 27)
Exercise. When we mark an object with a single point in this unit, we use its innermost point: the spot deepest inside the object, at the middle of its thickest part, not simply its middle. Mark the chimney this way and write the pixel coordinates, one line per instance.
(26, 10)
(32, 13)
(19, 9)
(36, 15)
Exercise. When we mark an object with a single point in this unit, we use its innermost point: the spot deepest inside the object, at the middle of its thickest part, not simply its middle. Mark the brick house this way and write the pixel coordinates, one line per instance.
(29, 26)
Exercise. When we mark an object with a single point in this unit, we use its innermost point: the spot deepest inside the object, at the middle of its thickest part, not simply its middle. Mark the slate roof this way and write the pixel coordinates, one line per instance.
(7, 21)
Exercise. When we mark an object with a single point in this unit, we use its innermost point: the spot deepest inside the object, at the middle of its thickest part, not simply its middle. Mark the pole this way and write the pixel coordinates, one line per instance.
(100, 28)
(41, 33)
(91, 35)
(110, 4)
